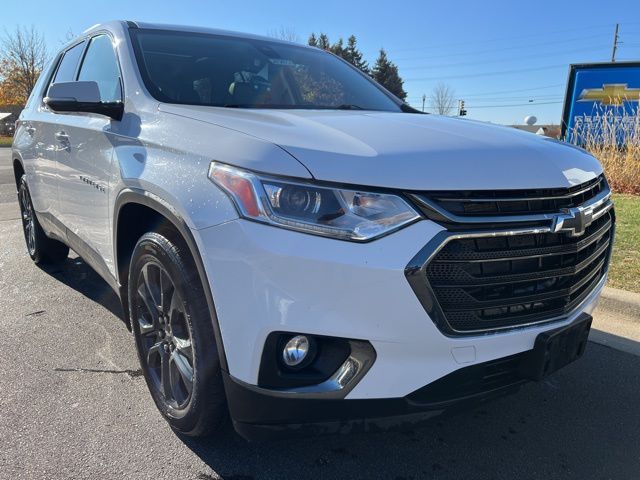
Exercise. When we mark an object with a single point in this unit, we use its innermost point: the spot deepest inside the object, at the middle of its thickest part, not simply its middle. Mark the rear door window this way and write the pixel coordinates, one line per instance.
(67, 68)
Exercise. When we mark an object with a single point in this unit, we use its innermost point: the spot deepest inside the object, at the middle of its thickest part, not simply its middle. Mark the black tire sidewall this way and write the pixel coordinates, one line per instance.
(38, 251)
(207, 399)
(46, 250)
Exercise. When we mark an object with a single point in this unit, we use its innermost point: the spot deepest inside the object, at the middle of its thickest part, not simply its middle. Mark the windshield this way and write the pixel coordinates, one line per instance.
(226, 71)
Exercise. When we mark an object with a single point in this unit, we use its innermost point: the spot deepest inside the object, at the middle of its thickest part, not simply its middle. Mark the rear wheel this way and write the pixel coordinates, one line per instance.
(174, 335)
(41, 248)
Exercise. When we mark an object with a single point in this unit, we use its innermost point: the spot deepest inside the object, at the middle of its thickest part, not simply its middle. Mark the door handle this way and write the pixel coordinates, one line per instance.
(62, 137)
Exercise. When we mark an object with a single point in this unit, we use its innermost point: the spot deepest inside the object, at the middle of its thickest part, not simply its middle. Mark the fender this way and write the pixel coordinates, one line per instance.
(141, 197)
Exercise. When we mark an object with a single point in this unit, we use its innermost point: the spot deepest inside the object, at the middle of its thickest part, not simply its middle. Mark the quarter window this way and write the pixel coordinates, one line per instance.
(101, 66)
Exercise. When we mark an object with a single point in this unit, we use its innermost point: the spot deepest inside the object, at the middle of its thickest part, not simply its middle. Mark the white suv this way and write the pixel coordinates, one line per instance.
(294, 245)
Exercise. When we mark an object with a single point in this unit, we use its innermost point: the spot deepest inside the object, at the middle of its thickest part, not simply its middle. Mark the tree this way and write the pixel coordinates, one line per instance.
(442, 99)
(337, 48)
(284, 33)
(323, 42)
(354, 56)
(385, 72)
(313, 40)
(22, 58)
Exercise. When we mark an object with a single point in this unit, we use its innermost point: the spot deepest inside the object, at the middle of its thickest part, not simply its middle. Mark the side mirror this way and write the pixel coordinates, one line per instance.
(81, 97)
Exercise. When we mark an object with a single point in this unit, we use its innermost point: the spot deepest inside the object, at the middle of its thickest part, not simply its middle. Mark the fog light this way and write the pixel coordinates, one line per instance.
(295, 351)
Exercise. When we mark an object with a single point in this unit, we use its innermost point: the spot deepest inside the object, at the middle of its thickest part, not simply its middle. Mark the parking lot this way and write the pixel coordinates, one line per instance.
(73, 404)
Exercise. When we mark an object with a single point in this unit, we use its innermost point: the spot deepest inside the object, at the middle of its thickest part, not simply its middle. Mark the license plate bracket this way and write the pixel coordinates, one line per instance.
(557, 348)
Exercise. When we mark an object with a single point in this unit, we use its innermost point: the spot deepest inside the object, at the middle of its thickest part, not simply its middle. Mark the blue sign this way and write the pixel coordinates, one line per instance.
(601, 103)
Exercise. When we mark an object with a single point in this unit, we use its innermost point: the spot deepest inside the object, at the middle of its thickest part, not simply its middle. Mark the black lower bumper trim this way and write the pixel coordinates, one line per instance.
(258, 413)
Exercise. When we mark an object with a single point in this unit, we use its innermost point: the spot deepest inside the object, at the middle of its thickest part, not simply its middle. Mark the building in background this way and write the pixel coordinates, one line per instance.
(552, 131)
(8, 116)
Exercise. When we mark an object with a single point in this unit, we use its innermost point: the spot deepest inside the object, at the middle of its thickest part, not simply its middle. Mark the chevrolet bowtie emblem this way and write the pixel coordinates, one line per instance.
(610, 94)
(573, 221)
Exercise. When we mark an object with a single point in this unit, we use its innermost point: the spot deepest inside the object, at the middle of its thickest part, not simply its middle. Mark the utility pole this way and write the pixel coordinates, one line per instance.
(424, 97)
(615, 43)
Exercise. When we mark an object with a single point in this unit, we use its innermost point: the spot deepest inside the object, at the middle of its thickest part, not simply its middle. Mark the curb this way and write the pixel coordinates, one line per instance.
(616, 300)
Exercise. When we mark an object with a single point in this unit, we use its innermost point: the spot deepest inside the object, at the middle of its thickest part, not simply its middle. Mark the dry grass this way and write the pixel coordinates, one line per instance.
(5, 141)
(615, 140)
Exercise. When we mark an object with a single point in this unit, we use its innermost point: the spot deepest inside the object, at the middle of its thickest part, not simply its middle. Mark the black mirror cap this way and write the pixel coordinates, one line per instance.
(113, 110)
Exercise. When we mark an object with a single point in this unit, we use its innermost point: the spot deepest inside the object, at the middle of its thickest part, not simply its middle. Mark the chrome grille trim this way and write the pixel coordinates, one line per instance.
(576, 267)
(601, 203)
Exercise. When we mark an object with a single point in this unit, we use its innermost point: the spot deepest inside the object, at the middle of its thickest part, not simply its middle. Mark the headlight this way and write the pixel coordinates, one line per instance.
(338, 213)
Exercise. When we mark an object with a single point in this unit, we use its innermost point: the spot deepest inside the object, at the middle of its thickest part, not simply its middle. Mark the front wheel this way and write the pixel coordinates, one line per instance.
(174, 335)
(41, 248)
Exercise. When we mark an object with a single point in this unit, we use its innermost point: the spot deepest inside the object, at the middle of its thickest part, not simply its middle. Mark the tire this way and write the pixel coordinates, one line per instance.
(41, 248)
(174, 335)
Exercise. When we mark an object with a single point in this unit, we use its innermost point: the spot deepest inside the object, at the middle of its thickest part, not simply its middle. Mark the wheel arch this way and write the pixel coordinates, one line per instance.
(137, 212)
(18, 170)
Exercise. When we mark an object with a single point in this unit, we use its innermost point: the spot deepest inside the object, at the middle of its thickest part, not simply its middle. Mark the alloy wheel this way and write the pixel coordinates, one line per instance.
(28, 219)
(165, 335)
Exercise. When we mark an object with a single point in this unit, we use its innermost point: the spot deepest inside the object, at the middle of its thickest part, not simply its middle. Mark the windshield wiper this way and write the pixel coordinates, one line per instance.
(348, 106)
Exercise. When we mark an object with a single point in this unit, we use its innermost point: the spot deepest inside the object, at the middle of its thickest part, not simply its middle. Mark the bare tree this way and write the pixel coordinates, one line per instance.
(284, 33)
(23, 56)
(442, 99)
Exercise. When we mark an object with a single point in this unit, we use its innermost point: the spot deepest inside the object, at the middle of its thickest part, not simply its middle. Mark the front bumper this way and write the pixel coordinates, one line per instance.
(266, 279)
(259, 413)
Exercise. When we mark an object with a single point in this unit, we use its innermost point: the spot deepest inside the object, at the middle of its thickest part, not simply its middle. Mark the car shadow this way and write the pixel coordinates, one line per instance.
(75, 273)
(582, 422)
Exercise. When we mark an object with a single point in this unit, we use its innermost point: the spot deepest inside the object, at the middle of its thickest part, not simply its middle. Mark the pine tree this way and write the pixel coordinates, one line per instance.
(323, 42)
(385, 72)
(354, 56)
(313, 41)
(338, 48)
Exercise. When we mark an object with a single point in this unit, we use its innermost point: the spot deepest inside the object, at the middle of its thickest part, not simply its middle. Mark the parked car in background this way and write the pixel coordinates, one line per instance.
(296, 247)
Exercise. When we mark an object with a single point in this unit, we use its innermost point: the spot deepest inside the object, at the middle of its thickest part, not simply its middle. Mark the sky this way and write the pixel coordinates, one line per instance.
(505, 59)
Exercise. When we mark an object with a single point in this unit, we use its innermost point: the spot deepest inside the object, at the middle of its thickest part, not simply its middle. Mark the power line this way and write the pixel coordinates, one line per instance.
(503, 39)
(544, 87)
(501, 92)
(488, 74)
(528, 98)
(525, 57)
(530, 104)
(502, 49)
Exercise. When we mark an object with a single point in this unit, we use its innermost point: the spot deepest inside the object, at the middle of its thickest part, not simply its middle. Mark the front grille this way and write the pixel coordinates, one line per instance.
(516, 202)
(488, 283)
(496, 275)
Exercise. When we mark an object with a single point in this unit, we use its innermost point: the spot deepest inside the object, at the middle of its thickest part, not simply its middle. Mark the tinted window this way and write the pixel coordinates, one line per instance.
(67, 69)
(217, 70)
(100, 65)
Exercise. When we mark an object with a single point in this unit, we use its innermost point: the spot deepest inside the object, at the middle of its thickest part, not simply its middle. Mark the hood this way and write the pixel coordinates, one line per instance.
(408, 151)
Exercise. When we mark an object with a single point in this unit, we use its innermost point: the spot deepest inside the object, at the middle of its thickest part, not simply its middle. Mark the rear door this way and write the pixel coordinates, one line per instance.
(85, 155)
(42, 127)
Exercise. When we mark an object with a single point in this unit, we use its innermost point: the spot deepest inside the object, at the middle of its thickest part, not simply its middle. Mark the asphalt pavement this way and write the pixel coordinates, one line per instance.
(73, 404)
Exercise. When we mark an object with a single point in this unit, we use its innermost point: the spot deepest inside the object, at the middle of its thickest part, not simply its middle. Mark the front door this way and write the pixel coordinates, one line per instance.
(85, 152)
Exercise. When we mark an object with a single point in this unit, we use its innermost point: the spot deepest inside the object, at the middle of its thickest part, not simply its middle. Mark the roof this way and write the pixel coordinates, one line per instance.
(187, 28)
